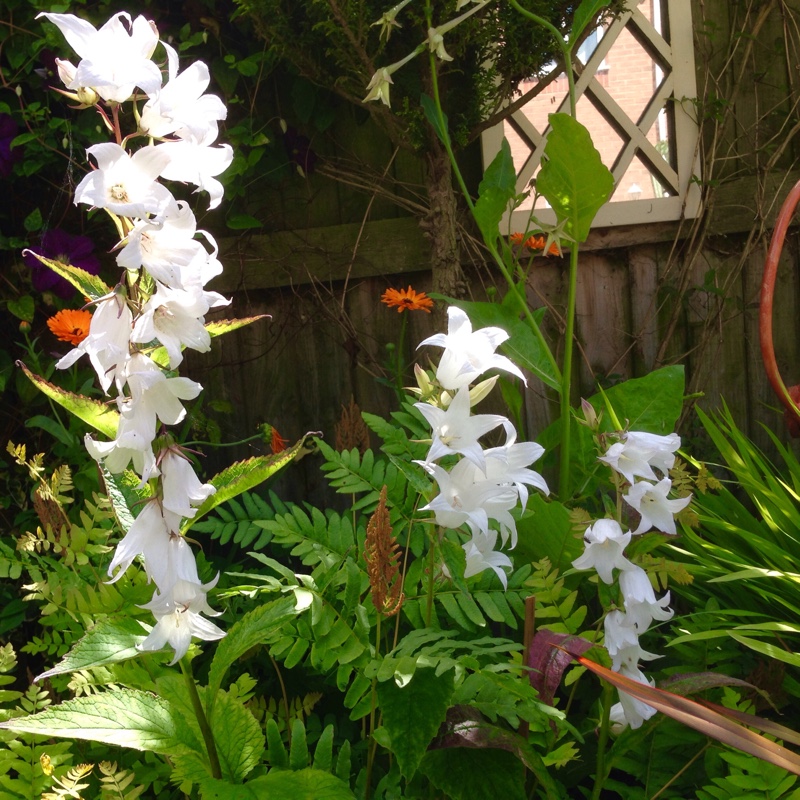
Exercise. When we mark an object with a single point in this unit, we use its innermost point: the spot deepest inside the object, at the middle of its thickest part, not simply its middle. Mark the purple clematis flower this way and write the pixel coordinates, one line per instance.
(67, 248)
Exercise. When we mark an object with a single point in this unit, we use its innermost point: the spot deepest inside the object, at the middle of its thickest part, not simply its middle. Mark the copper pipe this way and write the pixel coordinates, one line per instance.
(789, 397)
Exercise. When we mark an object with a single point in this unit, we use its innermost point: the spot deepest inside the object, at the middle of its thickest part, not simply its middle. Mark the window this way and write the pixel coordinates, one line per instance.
(635, 96)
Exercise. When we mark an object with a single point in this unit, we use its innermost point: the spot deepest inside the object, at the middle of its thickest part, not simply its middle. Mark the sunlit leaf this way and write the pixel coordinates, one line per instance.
(573, 179)
(89, 285)
(93, 412)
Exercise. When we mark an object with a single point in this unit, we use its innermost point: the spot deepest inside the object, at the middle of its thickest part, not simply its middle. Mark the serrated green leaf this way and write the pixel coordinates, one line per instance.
(106, 643)
(242, 476)
(573, 179)
(123, 491)
(255, 627)
(412, 715)
(100, 416)
(125, 717)
(90, 285)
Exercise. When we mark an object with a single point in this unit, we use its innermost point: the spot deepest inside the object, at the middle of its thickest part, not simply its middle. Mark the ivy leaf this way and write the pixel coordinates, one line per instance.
(304, 784)
(106, 643)
(412, 715)
(90, 285)
(125, 717)
(242, 476)
(549, 655)
(93, 412)
(255, 627)
(573, 179)
(496, 190)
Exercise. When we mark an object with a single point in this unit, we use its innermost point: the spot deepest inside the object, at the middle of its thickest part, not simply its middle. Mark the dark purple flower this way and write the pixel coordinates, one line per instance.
(61, 246)
(8, 130)
(298, 148)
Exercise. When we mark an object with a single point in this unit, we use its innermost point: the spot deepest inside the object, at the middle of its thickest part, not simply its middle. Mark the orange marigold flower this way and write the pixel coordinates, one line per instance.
(407, 300)
(534, 242)
(70, 325)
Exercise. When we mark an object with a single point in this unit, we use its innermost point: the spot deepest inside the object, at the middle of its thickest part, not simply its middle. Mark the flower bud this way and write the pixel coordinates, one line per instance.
(24, 326)
(87, 96)
(480, 390)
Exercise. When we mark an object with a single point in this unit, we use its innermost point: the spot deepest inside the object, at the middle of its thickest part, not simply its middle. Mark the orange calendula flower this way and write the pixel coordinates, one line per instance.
(407, 300)
(70, 325)
(535, 242)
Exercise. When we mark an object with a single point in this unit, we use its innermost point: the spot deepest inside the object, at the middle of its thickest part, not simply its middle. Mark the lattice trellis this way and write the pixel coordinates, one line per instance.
(659, 146)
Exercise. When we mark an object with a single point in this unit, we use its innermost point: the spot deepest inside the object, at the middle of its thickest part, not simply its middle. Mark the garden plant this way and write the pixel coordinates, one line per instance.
(474, 615)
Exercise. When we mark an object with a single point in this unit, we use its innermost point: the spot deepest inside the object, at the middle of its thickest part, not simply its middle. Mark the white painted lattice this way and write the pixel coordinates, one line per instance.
(636, 93)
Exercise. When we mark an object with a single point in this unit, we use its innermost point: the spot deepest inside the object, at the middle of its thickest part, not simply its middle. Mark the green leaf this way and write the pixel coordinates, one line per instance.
(124, 493)
(124, 717)
(438, 124)
(106, 643)
(496, 190)
(215, 328)
(100, 416)
(90, 285)
(33, 222)
(22, 308)
(53, 427)
(412, 715)
(242, 476)
(255, 627)
(305, 784)
(240, 222)
(573, 179)
(545, 531)
(523, 348)
(767, 649)
(586, 14)
(465, 773)
(220, 326)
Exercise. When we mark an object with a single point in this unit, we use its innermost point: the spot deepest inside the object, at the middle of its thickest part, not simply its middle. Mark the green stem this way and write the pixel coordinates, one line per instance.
(490, 245)
(566, 377)
(602, 742)
(431, 567)
(205, 728)
(373, 745)
(400, 356)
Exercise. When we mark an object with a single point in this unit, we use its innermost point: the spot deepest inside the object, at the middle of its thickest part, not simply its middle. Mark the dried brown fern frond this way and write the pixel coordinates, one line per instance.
(382, 554)
(351, 430)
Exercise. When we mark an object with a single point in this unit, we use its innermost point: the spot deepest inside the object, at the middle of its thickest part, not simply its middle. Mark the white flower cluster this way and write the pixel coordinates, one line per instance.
(634, 456)
(158, 235)
(484, 485)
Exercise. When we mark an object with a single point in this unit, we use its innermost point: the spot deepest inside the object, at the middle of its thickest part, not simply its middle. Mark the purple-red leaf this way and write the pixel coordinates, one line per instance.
(549, 655)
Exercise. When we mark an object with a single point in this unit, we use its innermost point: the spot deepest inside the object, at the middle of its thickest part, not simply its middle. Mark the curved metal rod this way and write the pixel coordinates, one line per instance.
(789, 397)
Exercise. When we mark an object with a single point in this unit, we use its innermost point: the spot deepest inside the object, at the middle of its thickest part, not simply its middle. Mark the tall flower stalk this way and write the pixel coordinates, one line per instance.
(139, 329)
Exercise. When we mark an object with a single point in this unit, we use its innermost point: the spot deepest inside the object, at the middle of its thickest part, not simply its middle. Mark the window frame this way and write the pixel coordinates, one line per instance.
(678, 87)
